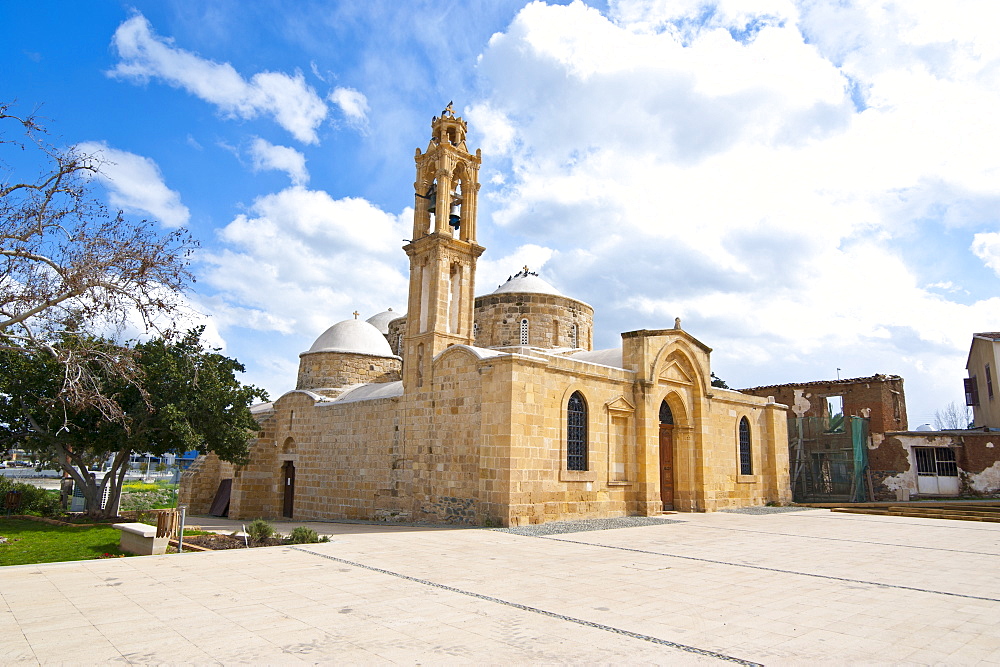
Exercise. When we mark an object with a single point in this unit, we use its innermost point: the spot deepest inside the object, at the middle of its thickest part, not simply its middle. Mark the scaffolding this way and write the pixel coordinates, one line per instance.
(829, 459)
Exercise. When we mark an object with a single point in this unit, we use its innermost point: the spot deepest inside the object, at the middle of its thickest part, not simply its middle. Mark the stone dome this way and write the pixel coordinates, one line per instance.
(355, 336)
(381, 321)
(526, 282)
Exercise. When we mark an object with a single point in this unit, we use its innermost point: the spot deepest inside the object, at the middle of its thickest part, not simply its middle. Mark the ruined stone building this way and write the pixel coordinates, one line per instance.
(849, 441)
(495, 410)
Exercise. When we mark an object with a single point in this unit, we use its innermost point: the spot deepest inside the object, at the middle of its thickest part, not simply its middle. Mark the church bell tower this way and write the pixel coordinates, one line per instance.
(443, 249)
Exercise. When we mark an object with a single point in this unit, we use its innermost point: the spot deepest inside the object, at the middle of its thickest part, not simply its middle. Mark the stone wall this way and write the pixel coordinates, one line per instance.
(498, 321)
(977, 457)
(880, 398)
(724, 486)
(346, 458)
(550, 320)
(200, 482)
(443, 439)
(322, 370)
(533, 446)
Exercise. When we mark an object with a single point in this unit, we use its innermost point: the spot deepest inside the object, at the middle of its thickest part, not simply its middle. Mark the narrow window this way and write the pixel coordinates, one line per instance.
(989, 382)
(454, 298)
(420, 365)
(576, 433)
(524, 332)
(746, 464)
(573, 337)
(475, 330)
(425, 293)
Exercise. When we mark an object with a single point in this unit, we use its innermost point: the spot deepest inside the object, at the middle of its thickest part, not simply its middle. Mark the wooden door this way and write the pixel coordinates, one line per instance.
(667, 466)
(289, 476)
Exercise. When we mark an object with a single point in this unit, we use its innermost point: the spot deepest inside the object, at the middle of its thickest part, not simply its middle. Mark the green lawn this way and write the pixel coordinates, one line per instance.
(35, 542)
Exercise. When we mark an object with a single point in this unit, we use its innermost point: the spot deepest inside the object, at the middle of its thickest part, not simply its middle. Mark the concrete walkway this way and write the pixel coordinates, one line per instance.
(791, 588)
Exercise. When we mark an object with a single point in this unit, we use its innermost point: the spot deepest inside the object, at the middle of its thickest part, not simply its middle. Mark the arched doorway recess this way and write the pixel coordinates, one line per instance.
(666, 456)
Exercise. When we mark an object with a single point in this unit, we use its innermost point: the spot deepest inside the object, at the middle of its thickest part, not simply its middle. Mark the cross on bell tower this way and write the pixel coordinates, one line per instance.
(443, 249)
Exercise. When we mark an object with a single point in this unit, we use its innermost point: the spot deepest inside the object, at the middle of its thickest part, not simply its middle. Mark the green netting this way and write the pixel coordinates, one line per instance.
(859, 438)
(828, 460)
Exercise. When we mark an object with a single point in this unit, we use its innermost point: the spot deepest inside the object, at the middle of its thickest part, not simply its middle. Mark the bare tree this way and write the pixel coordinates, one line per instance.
(953, 417)
(70, 270)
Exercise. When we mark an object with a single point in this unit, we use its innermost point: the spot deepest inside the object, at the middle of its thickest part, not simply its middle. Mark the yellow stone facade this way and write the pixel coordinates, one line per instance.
(481, 433)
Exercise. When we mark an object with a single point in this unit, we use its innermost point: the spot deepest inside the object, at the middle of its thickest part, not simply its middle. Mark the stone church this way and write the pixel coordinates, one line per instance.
(495, 410)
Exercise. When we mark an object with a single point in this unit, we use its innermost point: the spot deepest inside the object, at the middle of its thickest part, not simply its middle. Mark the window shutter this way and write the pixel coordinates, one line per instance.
(971, 391)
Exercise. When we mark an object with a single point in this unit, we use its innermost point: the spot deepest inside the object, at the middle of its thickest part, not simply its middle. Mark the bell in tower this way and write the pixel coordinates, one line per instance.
(443, 250)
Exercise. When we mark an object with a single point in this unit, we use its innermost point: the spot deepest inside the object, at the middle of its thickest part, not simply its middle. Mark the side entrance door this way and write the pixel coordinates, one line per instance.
(667, 465)
(288, 470)
(937, 471)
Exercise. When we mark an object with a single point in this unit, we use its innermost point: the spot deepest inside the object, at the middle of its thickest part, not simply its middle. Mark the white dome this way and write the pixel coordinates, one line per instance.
(353, 336)
(527, 283)
(925, 427)
(381, 321)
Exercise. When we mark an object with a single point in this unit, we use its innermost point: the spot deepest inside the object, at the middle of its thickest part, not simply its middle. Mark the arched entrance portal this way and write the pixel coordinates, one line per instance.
(666, 456)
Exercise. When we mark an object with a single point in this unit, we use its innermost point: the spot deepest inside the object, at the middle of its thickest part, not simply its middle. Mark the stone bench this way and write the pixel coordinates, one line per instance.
(141, 539)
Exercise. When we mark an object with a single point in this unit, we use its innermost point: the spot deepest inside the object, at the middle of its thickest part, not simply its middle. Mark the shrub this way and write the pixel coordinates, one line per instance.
(40, 502)
(304, 535)
(259, 530)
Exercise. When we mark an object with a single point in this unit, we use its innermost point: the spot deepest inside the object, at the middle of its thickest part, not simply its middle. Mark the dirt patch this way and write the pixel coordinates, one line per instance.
(218, 542)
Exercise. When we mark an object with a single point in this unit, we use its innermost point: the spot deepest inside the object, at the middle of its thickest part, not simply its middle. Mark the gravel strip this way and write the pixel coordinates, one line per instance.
(766, 510)
(560, 527)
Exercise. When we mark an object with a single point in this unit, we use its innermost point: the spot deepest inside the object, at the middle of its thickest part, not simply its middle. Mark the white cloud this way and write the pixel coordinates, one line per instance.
(986, 247)
(292, 103)
(135, 184)
(491, 273)
(768, 172)
(299, 261)
(353, 104)
(494, 127)
(268, 156)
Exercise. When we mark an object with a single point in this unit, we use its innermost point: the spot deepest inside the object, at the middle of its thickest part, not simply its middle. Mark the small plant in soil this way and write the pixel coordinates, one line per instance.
(306, 535)
(260, 530)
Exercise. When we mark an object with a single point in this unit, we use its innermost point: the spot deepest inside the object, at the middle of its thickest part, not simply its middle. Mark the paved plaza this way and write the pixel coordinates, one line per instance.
(782, 588)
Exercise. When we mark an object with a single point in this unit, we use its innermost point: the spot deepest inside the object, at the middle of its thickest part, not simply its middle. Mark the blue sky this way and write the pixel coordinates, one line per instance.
(810, 186)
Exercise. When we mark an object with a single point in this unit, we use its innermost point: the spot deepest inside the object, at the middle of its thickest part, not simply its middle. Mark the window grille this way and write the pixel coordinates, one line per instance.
(524, 332)
(666, 416)
(746, 464)
(971, 392)
(574, 338)
(576, 433)
(938, 461)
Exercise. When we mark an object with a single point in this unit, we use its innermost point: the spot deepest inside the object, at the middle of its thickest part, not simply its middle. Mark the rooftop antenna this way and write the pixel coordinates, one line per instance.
(838, 373)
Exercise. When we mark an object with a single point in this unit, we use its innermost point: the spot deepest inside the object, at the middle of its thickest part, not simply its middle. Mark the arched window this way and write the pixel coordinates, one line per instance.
(576, 433)
(746, 463)
(524, 331)
(475, 330)
(666, 416)
(574, 338)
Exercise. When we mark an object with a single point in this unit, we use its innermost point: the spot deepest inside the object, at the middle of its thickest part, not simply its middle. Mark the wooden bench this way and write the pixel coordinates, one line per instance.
(141, 539)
